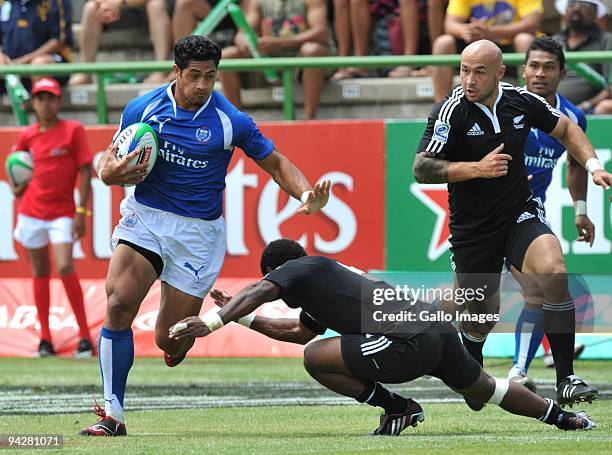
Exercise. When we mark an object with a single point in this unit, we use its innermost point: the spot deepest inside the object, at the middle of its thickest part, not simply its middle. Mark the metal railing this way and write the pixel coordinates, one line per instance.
(283, 64)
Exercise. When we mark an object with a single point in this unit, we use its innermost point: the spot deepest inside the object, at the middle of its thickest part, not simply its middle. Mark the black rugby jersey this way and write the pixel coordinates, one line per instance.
(459, 130)
(333, 296)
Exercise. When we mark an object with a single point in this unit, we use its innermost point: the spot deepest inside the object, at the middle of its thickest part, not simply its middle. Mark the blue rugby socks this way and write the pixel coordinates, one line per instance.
(116, 351)
(528, 336)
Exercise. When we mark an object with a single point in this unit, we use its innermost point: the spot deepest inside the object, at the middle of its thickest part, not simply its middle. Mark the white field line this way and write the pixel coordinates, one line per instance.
(24, 401)
(78, 404)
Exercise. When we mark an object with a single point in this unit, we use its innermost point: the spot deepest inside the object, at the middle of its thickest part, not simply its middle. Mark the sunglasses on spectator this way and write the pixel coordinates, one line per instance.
(581, 4)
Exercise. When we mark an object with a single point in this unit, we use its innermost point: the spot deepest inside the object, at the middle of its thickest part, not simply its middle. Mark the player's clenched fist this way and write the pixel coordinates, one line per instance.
(118, 172)
(495, 164)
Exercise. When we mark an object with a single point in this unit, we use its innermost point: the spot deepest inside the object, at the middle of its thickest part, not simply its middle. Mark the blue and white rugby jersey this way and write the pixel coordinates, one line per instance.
(542, 150)
(195, 148)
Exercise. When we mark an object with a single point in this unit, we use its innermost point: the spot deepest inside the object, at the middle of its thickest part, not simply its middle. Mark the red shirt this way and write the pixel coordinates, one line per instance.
(57, 154)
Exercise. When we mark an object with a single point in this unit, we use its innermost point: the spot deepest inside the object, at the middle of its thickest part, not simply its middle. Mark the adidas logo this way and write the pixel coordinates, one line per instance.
(475, 130)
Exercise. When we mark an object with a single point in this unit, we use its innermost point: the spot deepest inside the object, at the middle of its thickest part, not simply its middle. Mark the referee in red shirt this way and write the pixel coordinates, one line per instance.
(47, 212)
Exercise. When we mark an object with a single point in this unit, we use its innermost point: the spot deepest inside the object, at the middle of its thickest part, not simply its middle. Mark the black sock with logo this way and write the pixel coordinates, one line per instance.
(473, 346)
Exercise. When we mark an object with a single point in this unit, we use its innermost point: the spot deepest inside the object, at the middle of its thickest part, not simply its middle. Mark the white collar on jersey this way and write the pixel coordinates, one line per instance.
(493, 115)
(171, 96)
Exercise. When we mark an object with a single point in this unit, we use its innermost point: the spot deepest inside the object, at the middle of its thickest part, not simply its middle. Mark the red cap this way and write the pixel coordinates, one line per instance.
(47, 85)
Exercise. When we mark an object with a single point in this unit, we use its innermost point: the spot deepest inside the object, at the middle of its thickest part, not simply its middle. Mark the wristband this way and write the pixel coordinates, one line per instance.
(246, 320)
(304, 196)
(212, 320)
(580, 207)
(83, 211)
(592, 165)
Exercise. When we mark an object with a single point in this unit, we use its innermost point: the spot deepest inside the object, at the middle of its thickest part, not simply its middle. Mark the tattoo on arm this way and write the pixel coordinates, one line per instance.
(430, 169)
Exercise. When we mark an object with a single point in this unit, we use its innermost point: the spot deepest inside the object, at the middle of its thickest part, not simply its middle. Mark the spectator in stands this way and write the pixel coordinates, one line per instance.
(99, 13)
(285, 28)
(187, 14)
(604, 21)
(512, 24)
(35, 32)
(602, 16)
(352, 25)
(410, 19)
(436, 10)
(582, 33)
(47, 212)
(353, 21)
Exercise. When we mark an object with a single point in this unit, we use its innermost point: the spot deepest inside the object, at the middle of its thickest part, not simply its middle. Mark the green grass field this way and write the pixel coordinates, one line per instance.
(271, 406)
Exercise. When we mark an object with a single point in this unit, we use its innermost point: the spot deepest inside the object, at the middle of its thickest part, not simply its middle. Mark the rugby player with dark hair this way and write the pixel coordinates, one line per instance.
(171, 227)
(543, 71)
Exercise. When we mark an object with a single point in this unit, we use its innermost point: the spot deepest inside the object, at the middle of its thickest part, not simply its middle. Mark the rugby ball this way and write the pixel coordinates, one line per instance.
(19, 167)
(138, 137)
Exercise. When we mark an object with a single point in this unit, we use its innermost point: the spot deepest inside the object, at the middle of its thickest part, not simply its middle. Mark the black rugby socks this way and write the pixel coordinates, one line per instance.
(474, 346)
(375, 394)
(560, 328)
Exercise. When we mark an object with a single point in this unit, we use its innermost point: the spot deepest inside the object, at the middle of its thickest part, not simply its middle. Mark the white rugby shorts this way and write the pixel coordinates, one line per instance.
(191, 249)
(34, 233)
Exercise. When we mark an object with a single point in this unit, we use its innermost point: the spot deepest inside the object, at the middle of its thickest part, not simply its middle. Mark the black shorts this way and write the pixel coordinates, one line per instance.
(480, 260)
(393, 360)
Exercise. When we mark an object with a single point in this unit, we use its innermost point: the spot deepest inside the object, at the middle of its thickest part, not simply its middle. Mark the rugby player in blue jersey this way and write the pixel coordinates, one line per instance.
(172, 227)
(544, 69)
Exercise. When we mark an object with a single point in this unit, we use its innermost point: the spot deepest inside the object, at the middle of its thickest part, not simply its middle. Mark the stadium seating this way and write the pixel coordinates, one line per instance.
(356, 98)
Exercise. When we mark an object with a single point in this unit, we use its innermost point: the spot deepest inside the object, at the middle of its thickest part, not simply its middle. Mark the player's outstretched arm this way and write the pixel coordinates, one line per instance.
(117, 172)
(249, 299)
(282, 329)
(428, 168)
(581, 149)
(293, 182)
(244, 303)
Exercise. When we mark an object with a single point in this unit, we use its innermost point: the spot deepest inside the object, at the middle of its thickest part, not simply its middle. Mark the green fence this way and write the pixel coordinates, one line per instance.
(285, 65)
